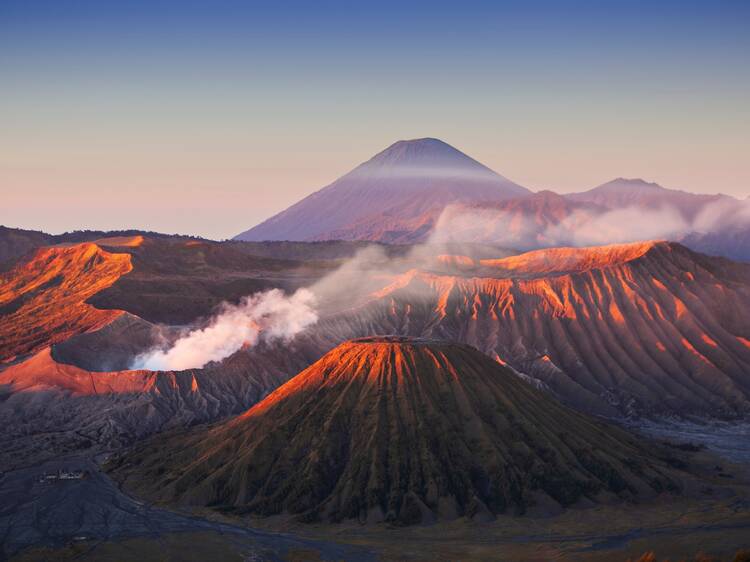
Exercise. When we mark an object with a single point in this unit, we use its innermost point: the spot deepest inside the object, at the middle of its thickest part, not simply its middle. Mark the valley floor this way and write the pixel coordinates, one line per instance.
(91, 519)
(730, 440)
(677, 531)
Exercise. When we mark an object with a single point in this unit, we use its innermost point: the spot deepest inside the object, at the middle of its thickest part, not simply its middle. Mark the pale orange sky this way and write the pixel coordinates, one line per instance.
(181, 118)
(217, 191)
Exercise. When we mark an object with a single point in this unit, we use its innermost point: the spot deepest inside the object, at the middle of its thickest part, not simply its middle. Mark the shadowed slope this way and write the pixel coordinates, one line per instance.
(402, 430)
(15, 243)
(177, 282)
(49, 408)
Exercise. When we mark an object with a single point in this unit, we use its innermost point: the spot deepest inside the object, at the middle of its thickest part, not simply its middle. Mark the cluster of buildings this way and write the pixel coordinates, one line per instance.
(63, 475)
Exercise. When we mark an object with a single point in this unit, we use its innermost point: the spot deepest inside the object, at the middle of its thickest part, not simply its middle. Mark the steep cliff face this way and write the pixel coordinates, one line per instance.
(43, 299)
(641, 328)
(403, 430)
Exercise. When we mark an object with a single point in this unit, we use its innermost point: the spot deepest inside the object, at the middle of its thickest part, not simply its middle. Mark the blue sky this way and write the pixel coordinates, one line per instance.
(207, 117)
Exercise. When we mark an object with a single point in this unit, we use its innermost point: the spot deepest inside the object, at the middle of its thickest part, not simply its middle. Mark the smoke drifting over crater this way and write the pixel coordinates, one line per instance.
(270, 315)
(460, 230)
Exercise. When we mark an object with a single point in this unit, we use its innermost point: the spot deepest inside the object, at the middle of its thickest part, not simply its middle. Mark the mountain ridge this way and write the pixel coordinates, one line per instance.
(408, 192)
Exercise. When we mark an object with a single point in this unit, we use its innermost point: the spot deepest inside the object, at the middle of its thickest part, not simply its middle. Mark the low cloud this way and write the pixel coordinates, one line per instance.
(619, 226)
(584, 227)
(725, 213)
(268, 316)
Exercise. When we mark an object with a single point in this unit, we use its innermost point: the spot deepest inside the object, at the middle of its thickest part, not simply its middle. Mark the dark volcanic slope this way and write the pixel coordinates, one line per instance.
(402, 430)
(176, 282)
(408, 180)
(48, 409)
(15, 243)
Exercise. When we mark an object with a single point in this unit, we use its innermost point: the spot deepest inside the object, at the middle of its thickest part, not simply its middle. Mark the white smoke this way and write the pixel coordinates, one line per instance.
(368, 270)
(618, 226)
(584, 227)
(274, 315)
(268, 316)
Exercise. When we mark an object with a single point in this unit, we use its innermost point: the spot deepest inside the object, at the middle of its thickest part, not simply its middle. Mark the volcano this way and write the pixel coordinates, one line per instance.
(402, 430)
(628, 329)
(389, 193)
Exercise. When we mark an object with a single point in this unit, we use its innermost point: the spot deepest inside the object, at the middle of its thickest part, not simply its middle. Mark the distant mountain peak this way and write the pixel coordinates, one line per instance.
(547, 195)
(630, 184)
(423, 157)
(429, 142)
(398, 187)
(419, 148)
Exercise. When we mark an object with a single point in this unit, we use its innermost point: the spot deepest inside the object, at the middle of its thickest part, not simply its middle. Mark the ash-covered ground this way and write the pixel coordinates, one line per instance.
(57, 513)
(728, 439)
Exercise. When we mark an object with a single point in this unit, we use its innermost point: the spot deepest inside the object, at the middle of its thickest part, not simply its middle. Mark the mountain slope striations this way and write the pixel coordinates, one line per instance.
(402, 430)
(634, 329)
(43, 299)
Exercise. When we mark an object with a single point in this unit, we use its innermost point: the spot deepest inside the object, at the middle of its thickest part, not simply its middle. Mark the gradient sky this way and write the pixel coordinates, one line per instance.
(207, 117)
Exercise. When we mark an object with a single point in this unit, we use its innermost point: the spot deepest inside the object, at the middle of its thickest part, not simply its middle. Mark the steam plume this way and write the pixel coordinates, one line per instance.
(273, 315)
(269, 315)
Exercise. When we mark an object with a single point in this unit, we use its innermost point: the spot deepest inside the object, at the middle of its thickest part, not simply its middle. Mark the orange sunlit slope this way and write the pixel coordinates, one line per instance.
(43, 299)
